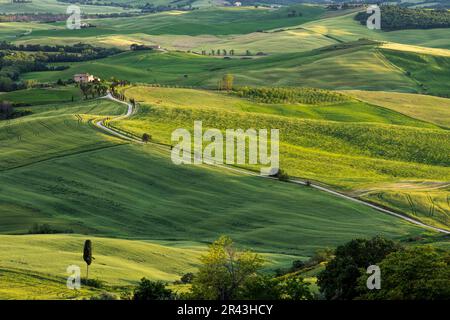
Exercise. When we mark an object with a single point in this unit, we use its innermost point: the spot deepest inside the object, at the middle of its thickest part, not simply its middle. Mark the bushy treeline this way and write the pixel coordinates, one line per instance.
(12, 64)
(18, 59)
(398, 18)
(84, 51)
(54, 17)
(226, 273)
(145, 8)
(7, 111)
(291, 95)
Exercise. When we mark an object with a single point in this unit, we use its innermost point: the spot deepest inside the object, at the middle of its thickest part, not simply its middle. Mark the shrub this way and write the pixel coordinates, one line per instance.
(281, 175)
(94, 283)
(146, 137)
(152, 290)
(104, 296)
(187, 278)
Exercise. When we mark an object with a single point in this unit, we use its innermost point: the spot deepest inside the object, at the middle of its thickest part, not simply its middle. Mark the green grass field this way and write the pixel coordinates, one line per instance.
(345, 28)
(56, 130)
(424, 107)
(357, 65)
(216, 21)
(37, 96)
(353, 151)
(51, 6)
(98, 178)
(179, 209)
(297, 40)
(420, 66)
(386, 141)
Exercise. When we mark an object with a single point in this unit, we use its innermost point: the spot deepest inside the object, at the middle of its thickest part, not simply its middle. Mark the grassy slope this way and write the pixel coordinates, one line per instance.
(427, 108)
(186, 31)
(86, 191)
(355, 66)
(217, 21)
(56, 130)
(51, 6)
(352, 155)
(345, 28)
(115, 192)
(432, 72)
(347, 111)
(267, 42)
(38, 96)
(117, 261)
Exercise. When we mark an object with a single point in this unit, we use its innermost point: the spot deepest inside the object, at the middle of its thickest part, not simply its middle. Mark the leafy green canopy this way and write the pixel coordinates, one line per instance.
(339, 279)
(421, 273)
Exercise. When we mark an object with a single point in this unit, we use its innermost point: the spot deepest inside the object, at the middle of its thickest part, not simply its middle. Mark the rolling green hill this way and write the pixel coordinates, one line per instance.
(358, 65)
(56, 130)
(424, 107)
(149, 217)
(346, 152)
(38, 96)
(345, 28)
(216, 21)
(91, 191)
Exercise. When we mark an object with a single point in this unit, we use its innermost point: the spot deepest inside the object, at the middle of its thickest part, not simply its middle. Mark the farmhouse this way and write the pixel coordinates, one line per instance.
(237, 4)
(84, 77)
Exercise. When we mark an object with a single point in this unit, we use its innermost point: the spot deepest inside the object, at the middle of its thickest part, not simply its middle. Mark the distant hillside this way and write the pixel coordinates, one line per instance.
(399, 18)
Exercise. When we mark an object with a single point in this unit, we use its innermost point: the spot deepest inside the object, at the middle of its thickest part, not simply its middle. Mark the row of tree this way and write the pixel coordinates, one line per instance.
(225, 53)
(219, 52)
(290, 95)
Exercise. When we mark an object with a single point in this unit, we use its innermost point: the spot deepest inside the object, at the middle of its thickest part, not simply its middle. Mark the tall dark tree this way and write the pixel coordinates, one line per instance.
(87, 255)
(146, 137)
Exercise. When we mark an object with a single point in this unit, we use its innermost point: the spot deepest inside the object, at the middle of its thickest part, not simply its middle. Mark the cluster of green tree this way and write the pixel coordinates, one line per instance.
(28, 17)
(226, 83)
(12, 64)
(7, 111)
(116, 83)
(406, 273)
(93, 89)
(344, 6)
(269, 3)
(79, 51)
(398, 18)
(46, 229)
(54, 17)
(290, 95)
(181, 5)
(137, 47)
(226, 273)
(219, 52)
(100, 3)
(16, 59)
